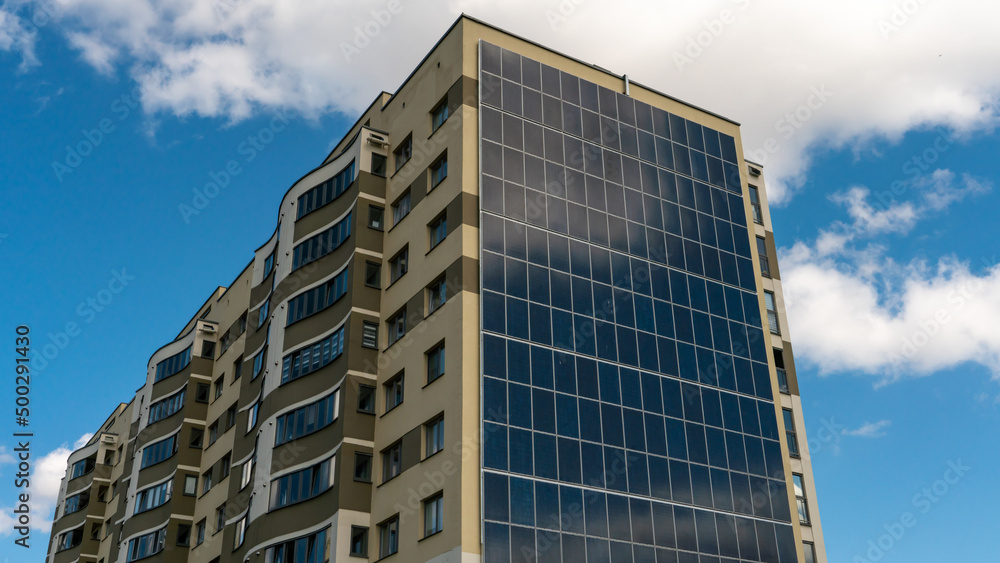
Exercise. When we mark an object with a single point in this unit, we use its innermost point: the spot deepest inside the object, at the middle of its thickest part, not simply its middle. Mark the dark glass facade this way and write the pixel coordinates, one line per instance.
(627, 407)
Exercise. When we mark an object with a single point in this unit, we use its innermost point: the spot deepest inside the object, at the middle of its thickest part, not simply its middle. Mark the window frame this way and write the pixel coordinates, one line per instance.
(801, 502)
(363, 552)
(791, 436)
(754, 195)
(388, 537)
(403, 153)
(395, 386)
(401, 207)
(765, 261)
(438, 171)
(439, 115)
(438, 351)
(771, 306)
(434, 502)
(399, 264)
(434, 435)
(437, 230)
(392, 468)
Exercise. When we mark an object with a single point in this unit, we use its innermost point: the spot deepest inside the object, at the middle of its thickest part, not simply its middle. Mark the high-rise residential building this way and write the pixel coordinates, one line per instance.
(526, 310)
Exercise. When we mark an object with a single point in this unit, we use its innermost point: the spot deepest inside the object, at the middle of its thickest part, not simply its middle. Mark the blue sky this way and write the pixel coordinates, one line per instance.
(876, 126)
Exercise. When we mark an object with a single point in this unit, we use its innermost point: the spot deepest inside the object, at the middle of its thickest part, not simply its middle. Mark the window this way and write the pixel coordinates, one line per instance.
(218, 384)
(238, 368)
(401, 208)
(793, 444)
(231, 417)
(225, 465)
(362, 467)
(437, 294)
(147, 545)
(258, 363)
(765, 264)
(190, 485)
(779, 364)
(433, 515)
(772, 313)
(312, 357)
(184, 535)
(392, 461)
(378, 164)
(359, 541)
(435, 363)
(369, 334)
(376, 217)
(318, 298)
(95, 531)
(393, 392)
(252, 416)
(810, 552)
(326, 192)
(247, 472)
(398, 264)
(269, 264)
(373, 274)
(302, 485)
(71, 539)
(159, 451)
(434, 436)
(397, 326)
(148, 499)
(196, 438)
(200, 532)
(201, 393)
(313, 548)
(316, 247)
(439, 171)
(166, 407)
(307, 419)
(366, 398)
(403, 153)
(173, 364)
(439, 229)
(77, 502)
(220, 517)
(239, 532)
(388, 537)
(800, 498)
(262, 313)
(213, 432)
(102, 493)
(439, 115)
(206, 481)
(758, 217)
(207, 349)
(83, 467)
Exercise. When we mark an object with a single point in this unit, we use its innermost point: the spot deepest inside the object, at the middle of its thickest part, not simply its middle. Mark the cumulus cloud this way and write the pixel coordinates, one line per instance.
(871, 70)
(17, 35)
(46, 477)
(869, 429)
(851, 307)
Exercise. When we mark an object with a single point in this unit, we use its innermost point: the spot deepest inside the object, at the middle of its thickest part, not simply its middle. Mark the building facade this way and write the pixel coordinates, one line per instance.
(526, 310)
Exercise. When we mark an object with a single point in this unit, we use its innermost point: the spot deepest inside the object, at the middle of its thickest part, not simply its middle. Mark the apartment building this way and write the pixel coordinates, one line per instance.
(526, 310)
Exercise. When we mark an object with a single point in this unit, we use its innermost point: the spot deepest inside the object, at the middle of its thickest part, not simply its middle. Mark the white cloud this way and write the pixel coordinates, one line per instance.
(45, 480)
(799, 76)
(869, 429)
(854, 308)
(17, 35)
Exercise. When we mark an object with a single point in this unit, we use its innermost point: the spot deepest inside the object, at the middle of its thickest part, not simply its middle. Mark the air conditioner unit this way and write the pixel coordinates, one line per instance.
(107, 439)
(378, 140)
(754, 171)
(208, 328)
